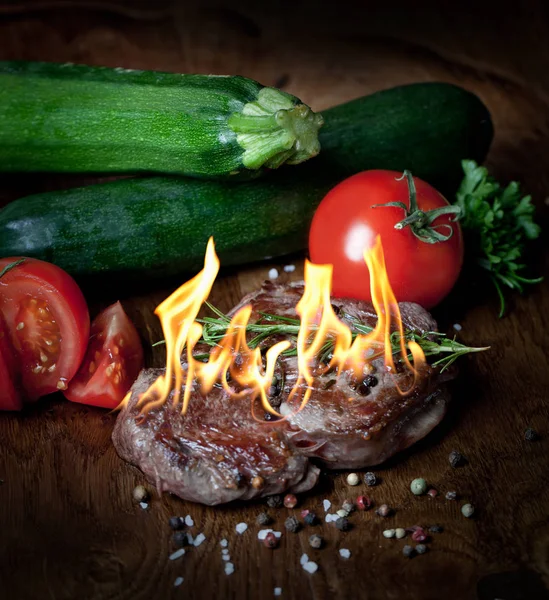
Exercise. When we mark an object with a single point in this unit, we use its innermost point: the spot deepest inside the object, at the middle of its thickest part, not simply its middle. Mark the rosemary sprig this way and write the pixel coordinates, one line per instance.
(431, 342)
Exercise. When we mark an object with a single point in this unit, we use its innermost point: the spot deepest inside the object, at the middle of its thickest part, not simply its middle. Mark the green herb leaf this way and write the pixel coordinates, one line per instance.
(11, 266)
(498, 223)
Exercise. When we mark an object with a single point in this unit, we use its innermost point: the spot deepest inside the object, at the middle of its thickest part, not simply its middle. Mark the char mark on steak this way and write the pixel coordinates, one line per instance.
(218, 452)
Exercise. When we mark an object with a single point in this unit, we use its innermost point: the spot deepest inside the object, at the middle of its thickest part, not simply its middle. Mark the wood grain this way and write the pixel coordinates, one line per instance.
(69, 528)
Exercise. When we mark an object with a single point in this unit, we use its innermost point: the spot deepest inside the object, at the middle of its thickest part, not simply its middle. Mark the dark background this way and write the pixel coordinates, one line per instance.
(68, 527)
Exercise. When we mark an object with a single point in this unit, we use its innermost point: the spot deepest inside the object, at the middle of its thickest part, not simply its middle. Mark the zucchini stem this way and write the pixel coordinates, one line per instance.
(274, 129)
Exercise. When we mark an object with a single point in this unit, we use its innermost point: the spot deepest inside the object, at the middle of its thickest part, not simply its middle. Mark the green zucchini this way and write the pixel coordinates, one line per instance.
(79, 119)
(146, 227)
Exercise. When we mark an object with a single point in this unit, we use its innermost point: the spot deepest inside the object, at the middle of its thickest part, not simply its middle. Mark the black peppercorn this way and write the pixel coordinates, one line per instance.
(456, 459)
(451, 495)
(176, 523)
(435, 529)
(274, 501)
(408, 551)
(292, 524)
(531, 435)
(263, 519)
(311, 519)
(180, 539)
(343, 524)
(421, 548)
(370, 479)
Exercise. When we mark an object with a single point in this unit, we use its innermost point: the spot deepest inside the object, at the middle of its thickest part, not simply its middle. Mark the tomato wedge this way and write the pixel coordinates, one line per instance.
(112, 362)
(48, 323)
(10, 399)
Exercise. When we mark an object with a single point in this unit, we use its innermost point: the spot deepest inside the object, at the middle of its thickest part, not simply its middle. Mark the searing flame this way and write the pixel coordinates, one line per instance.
(242, 371)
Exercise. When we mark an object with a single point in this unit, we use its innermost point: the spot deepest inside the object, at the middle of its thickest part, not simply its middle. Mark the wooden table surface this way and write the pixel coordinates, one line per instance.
(68, 526)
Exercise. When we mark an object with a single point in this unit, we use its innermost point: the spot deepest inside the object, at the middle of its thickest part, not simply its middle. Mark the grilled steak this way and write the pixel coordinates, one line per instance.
(213, 454)
(219, 451)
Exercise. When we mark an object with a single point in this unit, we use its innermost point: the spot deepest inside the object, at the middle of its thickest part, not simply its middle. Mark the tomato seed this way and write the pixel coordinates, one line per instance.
(61, 385)
(115, 350)
(116, 379)
(37, 369)
(20, 326)
(97, 355)
(92, 367)
(121, 342)
(109, 370)
(43, 357)
(52, 368)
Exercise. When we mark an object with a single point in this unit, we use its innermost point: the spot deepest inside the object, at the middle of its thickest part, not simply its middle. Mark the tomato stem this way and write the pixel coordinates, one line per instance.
(419, 221)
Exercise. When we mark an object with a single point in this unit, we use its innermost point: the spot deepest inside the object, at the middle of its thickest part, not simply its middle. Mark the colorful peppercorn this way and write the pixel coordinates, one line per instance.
(383, 511)
(353, 479)
(432, 493)
(389, 533)
(418, 486)
(363, 503)
(290, 501)
(451, 495)
(419, 535)
(271, 541)
(467, 510)
(140, 493)
(315, 541)
(400, 533)
(348, 506)
(436, 529)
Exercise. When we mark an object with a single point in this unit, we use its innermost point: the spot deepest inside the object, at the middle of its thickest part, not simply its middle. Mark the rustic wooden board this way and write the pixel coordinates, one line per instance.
(69, 529)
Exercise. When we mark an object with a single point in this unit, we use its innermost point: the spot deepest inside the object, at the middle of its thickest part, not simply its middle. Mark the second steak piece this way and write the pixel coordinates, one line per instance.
(349, 423)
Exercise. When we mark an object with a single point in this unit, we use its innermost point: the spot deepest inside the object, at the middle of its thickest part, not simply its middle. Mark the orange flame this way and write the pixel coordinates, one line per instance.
(241, 371)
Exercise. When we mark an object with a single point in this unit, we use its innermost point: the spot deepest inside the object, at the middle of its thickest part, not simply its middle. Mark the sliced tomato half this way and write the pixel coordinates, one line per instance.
(112, 362)
(10, 398)
(48, 323)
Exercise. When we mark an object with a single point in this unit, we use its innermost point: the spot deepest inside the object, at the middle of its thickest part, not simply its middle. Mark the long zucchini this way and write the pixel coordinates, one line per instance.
(74, 118)
(133, 228)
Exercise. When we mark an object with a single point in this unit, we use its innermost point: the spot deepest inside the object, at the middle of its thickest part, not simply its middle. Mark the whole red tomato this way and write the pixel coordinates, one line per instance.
(423, 254)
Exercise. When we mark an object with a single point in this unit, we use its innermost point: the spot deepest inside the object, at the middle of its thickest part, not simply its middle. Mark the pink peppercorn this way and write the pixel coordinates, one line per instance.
(290, 501)
(363, 503)
(433, 493)
(271, 541)
(304, 513)
(419, 535)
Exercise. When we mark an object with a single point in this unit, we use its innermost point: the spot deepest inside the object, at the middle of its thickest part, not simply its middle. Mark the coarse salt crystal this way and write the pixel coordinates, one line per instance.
(457, 327)
(190, 539)
(144, 505)
(189, 521)
(330, 518)
(241, 528)
(310, 567)
(229, 568)
(199, 539)
(304, 559)
(226, 557)
(178, 582)
(262, 534)
(273, 274)
(278, 591)
(344, 553)
(225, 551)
(326, 504)
(289, 268)
(223, 543)
(177, 554)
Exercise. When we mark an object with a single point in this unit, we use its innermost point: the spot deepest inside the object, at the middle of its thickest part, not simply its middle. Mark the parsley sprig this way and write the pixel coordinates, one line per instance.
(499, 222)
